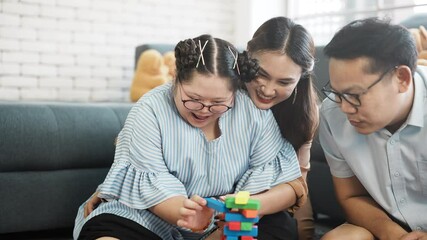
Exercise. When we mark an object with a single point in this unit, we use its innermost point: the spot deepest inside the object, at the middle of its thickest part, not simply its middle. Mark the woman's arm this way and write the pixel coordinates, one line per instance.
(276, 199)
(290, 195)
(303, 155)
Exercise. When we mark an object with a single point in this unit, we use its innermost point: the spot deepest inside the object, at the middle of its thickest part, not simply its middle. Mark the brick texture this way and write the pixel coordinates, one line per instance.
(83, 50)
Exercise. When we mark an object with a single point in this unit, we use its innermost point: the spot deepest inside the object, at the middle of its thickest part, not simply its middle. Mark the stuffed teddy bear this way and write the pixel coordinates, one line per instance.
(150, 73)
(420, 36)
(169, 59)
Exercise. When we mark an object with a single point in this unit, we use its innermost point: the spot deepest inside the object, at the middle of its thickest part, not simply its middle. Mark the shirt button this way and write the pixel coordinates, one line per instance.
(402, 200)
(396, 174)
(418, 228)
(392, 142)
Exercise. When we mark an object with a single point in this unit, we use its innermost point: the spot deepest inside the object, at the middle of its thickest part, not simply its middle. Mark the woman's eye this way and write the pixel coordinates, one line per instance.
(284, 83)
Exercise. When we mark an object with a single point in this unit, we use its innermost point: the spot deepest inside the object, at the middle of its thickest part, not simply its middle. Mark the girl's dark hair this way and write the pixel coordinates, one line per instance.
(298, 121)
(207, 55)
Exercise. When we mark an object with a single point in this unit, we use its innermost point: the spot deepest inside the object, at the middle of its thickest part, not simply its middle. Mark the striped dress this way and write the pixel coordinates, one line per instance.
(159, 156)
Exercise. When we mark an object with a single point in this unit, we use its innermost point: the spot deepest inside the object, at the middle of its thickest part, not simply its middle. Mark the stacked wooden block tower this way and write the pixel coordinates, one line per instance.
(241, 216)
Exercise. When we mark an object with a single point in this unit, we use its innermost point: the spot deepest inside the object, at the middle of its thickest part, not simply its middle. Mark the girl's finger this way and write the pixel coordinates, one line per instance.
(186, 212)
(182, 223)
(199, 200)
(191, 204)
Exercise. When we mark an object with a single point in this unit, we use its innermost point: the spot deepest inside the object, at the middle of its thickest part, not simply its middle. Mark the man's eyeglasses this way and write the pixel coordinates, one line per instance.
(352, 98)
(194, 105)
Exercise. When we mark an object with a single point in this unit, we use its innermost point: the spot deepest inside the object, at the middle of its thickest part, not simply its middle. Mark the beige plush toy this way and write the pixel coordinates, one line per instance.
(150, 73)
(169, 59)
(420, 36)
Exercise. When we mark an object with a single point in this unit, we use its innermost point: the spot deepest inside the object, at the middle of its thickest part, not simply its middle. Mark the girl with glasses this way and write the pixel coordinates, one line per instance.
(197, 137)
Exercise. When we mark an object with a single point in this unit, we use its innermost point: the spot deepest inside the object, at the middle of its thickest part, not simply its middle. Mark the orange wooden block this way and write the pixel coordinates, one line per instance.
(249, 213)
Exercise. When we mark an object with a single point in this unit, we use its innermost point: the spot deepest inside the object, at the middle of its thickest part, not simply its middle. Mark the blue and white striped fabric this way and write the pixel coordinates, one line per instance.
(159, 155)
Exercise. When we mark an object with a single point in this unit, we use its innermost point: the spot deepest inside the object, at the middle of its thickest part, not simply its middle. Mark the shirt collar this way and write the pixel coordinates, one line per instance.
(416, 116)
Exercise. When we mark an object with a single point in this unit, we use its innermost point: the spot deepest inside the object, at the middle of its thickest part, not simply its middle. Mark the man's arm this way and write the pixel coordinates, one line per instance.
(362, 210)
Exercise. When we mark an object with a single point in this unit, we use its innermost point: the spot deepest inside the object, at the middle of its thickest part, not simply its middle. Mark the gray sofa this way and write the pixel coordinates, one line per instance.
(52, 157)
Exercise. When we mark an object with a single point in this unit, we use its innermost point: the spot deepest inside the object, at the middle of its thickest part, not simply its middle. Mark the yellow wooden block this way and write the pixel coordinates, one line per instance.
(242, 197)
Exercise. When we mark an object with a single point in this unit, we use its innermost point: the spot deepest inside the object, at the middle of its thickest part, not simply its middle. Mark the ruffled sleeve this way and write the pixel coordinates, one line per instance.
(273, 160)
(282, 168)
(139, 177)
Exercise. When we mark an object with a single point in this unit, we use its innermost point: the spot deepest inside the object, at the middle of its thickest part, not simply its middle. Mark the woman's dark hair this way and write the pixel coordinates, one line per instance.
(207, 55)
(385, 44)
(298, 121)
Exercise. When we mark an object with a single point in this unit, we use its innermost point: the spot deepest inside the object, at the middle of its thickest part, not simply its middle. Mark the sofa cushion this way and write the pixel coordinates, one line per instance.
(52, 158)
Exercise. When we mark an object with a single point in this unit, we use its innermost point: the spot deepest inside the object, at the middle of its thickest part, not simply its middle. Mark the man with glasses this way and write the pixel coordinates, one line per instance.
(373, 131)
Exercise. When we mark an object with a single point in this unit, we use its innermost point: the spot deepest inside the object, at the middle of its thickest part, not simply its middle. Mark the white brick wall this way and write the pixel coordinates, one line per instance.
(83, 50)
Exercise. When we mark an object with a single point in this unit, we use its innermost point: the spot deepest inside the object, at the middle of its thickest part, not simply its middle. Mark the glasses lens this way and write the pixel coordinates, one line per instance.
(353, 99)
(218, 108)
(332, 95)
(193, 105)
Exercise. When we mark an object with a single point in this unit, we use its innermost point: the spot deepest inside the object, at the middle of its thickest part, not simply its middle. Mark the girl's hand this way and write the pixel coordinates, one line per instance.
(93, 202)
(222, 198)
(195, 215)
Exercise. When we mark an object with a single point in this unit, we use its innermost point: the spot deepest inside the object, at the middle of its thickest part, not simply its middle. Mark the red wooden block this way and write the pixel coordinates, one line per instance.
(246, 238)
(234, 226)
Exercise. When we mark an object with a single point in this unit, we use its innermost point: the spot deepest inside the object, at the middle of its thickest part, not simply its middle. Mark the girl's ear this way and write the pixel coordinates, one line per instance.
(404, 76)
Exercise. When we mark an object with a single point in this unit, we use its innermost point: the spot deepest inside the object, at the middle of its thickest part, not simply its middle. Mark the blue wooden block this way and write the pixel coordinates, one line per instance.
(231, 238)
(216, 204)
(228, 232)
(238, 217)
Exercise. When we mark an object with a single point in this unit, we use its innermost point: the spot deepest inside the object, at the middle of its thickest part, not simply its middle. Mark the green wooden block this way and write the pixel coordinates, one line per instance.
(252, 204)
(246, 226)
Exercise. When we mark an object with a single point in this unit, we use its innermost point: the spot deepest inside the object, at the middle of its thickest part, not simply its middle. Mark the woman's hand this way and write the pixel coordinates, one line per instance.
(93, 202)
(194, 214)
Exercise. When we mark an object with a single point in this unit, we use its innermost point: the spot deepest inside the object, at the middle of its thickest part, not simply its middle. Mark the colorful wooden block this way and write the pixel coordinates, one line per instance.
(249, 213)
(216, 204)
(235, 226)
(253, 232)
(231, 238)
(237, 217)
(246, 226)
(242, 197)
(251, 204)
(247, 238)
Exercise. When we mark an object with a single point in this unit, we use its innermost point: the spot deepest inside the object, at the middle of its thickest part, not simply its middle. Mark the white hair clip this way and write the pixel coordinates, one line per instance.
(235, 59)
(311, 67)
(201, 53)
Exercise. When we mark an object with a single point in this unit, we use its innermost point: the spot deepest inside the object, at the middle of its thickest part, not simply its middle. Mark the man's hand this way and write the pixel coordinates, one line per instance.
(93, 202)
(195, 214)
(416, 235)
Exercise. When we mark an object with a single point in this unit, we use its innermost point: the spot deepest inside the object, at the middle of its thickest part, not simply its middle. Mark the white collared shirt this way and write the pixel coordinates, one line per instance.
(391, 167)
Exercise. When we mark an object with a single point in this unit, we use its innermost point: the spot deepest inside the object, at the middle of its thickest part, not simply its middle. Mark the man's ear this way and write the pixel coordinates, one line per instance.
(404, 76)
